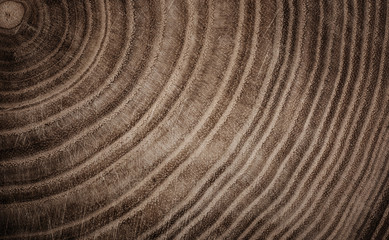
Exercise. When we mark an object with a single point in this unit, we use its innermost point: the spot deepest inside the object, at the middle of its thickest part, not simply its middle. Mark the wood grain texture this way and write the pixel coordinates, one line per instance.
(170, 119)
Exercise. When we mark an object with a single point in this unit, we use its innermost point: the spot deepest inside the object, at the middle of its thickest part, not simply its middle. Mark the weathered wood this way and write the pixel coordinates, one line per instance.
(194, 119)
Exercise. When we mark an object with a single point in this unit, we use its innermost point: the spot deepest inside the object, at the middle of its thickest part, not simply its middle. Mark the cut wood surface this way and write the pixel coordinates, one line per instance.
(184, 119)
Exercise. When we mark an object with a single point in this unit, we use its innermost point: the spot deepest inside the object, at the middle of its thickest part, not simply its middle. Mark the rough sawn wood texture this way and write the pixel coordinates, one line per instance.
(183, 119)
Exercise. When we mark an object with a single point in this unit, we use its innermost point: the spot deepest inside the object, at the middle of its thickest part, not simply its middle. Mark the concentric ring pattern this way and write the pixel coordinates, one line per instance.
(188, 119)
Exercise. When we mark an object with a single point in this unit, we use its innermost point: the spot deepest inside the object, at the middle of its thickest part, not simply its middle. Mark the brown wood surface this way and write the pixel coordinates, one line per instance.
(184, 119)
